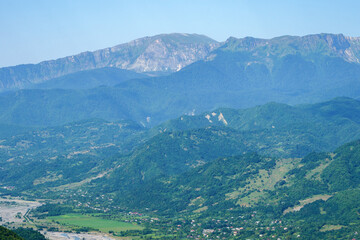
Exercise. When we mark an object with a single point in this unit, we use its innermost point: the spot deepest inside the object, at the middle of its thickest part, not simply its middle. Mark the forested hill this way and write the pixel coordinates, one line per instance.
(136, 153)
(313, 194)
(6, 234)
(292, 163)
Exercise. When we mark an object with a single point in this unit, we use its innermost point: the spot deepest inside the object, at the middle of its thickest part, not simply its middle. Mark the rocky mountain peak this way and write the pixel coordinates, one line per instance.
(160, 53)
(169, 53)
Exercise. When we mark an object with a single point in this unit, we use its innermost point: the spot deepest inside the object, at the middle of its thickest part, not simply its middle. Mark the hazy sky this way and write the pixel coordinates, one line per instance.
(37, 30)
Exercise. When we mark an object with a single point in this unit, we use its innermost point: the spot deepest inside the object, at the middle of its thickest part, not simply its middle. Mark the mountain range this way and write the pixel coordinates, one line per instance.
(239, 73)
(157, 54)
(179, 126)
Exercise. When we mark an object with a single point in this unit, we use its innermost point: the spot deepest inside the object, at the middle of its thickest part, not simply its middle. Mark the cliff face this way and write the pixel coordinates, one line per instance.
(161, 53)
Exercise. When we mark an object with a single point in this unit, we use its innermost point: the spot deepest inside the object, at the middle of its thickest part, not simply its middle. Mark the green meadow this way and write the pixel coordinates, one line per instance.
(104, 225)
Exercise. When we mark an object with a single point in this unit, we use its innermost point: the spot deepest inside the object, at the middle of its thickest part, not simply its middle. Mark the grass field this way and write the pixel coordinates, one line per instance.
(330, 228)
(104, 225)
(324, 197)
(265, 180)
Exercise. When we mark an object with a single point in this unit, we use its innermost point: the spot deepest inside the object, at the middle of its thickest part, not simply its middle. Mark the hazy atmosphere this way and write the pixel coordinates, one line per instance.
(34, 31)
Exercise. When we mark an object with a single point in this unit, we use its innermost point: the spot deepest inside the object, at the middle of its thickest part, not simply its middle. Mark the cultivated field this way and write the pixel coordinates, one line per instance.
(103, 225)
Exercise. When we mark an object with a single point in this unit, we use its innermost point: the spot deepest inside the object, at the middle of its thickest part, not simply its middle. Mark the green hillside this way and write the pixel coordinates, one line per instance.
(295, 190)
(314, 197)
(128, 153)
(6, 234)
(90, 79)
(251, 167)
(65, 154)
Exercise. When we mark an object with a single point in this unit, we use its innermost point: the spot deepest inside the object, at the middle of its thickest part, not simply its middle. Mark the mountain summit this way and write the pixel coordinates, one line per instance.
(333, 45)
(152, 55)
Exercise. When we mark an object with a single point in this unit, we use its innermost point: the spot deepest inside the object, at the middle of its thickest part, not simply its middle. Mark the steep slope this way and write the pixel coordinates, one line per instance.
(53, 107)
(29, 234)
(288, 69)
(65, 154)
(317, 126)
(6, 234)
(7, 130)
(298, 132)
(160, 53)
(90, 79)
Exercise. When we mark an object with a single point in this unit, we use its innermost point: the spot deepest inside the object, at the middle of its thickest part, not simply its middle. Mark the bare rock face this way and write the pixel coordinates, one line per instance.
(161, 53)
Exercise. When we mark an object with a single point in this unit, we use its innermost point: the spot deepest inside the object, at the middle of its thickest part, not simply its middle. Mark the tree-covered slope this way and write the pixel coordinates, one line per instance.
(323, 186)
(29, 234)
(90, 79)
(59, 106)
(315, 197)
(319, 127)
(223, 163)
(70, 153)
(6, 234)
(129, 153)
(154, 166)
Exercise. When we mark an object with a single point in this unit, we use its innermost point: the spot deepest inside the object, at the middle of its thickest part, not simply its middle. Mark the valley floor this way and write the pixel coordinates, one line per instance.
(14, 210)
(75, 236)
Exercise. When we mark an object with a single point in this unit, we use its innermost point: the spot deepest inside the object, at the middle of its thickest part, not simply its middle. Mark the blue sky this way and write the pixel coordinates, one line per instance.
(37, 30)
